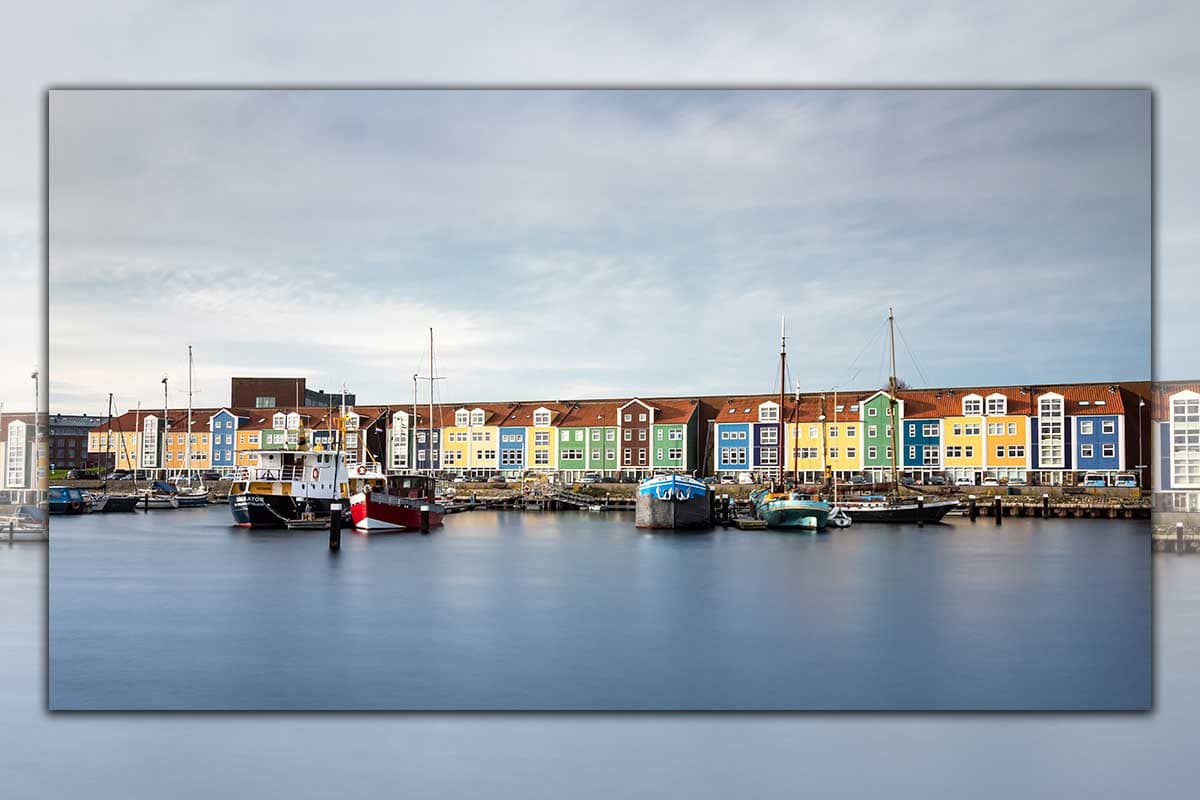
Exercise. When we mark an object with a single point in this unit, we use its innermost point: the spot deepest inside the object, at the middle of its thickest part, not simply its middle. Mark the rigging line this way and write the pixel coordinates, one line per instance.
(913, 357)
(863, 352)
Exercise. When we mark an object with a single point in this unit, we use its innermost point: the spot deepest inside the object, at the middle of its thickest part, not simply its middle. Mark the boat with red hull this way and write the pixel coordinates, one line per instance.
(392, 503)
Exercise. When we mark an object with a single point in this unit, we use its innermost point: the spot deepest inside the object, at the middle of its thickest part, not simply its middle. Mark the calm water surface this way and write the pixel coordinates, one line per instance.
(502, 610)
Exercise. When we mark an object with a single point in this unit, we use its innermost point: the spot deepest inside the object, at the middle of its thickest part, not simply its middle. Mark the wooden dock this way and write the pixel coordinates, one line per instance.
(749, 524)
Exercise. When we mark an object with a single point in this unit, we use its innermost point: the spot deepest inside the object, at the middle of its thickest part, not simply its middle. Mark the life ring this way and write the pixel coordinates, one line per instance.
(316, 473)
(362, 469)
(74, 505)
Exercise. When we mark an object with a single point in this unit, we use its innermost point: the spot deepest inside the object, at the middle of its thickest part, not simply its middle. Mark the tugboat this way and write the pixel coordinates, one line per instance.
(391, 503)
(673, 502)
(283, 484)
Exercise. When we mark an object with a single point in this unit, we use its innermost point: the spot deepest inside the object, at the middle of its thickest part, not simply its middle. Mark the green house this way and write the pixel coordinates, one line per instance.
(876, 413)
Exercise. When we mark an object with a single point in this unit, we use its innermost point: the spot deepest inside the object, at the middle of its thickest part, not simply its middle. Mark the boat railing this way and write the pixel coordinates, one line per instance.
(291, 472)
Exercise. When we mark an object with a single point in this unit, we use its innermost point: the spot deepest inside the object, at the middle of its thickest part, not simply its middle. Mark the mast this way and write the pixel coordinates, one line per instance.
(188, 445)
(795, 440)
(892, 397)
(410, 441)
(430, 422)
(137, 427)
(108, 444)
(782, 378)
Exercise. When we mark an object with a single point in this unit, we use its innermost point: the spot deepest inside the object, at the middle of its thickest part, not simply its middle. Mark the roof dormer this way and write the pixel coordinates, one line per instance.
(972, 405)
(462, 418)
(997, 404)
(400, 419)
(293, 421)
(768, 411)
(279, 420)
(477, 416)
(541, 417)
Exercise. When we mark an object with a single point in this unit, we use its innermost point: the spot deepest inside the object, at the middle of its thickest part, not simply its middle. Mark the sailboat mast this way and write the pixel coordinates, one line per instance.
(410, 439)
(430, 421)
(188, 446)
(782, 378)
(895, 425)
(108, 445)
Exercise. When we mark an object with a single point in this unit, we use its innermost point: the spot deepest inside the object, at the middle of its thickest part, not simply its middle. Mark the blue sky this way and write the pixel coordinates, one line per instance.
(576, 243)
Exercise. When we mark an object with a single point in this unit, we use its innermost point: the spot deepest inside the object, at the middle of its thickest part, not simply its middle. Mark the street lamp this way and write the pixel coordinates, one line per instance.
(36, 434)
(1141, 436)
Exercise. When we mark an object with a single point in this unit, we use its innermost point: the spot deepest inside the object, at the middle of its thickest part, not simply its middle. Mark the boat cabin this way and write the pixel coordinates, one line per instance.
(414, 486)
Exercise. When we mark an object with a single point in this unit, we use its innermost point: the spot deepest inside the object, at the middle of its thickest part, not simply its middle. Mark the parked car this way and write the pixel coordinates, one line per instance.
(119, 475)
(1016, 481)
(1094, 479)
(458, 479)
(727, 480)
(936, 480)
(857, 479)
(964, 481)
(590, 477)
(1125, 480)
(211, 475)
(990, 482)
(497, 479)
(908, 480)
(745, 477)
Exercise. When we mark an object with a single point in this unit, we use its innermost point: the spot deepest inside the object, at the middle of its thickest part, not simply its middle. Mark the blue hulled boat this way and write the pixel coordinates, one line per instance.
(673, 502)
(790, 510)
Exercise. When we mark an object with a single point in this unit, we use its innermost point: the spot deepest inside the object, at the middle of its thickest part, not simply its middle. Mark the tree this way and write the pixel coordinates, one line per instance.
(900, 384)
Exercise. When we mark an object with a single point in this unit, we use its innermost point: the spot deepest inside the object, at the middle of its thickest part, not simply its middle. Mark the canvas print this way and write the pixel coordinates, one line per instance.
(643, 399)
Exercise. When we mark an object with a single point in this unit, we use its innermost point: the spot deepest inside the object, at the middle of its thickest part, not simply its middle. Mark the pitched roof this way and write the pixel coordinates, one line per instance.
(1085, 399)
(1161, 394)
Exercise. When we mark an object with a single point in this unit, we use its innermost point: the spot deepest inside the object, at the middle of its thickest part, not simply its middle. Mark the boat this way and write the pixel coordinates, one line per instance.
(881, 508)
(105, 501)
(596, 507)
(158, 495)
(838, 518)
(66, 500)
(392, 503)
(673, 502)
(282, 484)
(187, 494)
(892, 507)
(790, 510)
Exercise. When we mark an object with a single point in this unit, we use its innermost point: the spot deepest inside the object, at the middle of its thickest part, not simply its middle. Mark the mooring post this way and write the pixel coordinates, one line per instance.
(424, 519)
(920, 511)
(11, 523)
(1045, 506)
(972, 510)
(335, 527)
(996, 509)
(1178, 537)
(146, 499)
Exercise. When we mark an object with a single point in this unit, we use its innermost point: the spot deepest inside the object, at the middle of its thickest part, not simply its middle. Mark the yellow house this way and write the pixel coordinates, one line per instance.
(844, 446)
(249, 442)
(541, 441)
(804, 447)
(1008, 451)
(962, 445)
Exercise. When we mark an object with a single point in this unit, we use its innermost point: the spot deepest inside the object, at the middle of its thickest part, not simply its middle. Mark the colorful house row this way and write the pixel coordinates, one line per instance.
(23, 464)
(1050, 435)
(1175, 446)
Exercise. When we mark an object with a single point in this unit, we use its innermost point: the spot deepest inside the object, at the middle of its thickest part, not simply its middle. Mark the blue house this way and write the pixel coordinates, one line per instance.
(425, 458)
(512, 450)
(766, 445)
(223, 425)
(732, 451)
(921, 444)
(1097, 442)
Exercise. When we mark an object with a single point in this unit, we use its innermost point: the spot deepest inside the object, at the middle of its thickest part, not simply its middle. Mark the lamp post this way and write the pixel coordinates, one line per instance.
(1141, 435)
(33, 483)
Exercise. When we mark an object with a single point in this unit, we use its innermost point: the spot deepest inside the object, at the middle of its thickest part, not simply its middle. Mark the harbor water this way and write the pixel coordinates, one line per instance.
(571, 610)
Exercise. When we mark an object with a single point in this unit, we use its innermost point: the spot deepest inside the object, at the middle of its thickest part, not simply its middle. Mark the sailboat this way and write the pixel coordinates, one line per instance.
(106, 502)
(892, 507)
(189, 495)
(788, 508)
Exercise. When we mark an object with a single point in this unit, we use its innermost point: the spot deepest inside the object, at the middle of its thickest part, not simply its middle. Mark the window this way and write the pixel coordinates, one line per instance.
(972, 406)
(541, 457)
(541, 418)
(628, 455)
(641, 434)
(999, 451)
(872, 411)
(854, 406)
(930, 430)
(628, 435)
(888, 431)
(957, 430)
(675, 435)
(510, 458)
(462, 417)
(872, 453)
(833, 452)
(595, 455)
(659, 454)
(912, 430)
(264, 402)
(812, 431)
(675, 453)
(887, 453)
(930, 457)
(1085, 426)
(833, 431)
(969, 451)
(889, 410)
(595, 436)
(724, 435)
(477, 417)
(641, 455)
(995, 428)
(610, 435)
(839, 408)
(769, 457)
(1012, 429)
(1108, 450)
(1108, 426)
(566, 436)
(1016, 451)
(732, 455)
(912, 453)
(971, 430)
(770, 436)
(610, 455)
(768, 412)
(571, 455)
(872, 431)
(1086, 451)
(642, 417)
(659, 434)
(629, 417)
(851, 452)
(954, 451)
(541, 438)
(997, 404)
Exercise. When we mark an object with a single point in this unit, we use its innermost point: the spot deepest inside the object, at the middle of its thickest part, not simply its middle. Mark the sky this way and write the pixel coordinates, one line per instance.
(568, 244)
(1094, 44)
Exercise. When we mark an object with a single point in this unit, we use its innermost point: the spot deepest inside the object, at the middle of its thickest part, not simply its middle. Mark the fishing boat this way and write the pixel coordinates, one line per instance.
(790, 510)
(66, 500)
(391, 503)
(673, 502)
(282, 484)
